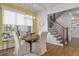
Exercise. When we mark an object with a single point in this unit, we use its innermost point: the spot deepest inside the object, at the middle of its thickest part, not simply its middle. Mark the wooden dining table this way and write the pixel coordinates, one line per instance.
(30, 39)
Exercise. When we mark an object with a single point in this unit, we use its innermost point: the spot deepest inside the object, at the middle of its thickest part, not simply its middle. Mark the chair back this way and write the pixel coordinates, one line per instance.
(17, 43)
(42, 43)
(43, 36)
(21, 47)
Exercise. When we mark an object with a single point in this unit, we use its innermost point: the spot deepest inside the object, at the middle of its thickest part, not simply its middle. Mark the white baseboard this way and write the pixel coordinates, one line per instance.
(5, 47)
(56, 44)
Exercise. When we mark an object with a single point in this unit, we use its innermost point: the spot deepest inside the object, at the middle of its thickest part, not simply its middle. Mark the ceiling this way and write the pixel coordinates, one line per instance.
(37, 7)
(55, 7)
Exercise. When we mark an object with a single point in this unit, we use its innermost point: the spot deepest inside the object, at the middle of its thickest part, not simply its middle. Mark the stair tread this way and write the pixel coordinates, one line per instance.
(57, 36)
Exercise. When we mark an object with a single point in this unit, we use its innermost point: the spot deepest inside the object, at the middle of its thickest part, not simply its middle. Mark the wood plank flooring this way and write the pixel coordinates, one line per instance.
(75, 42)
(53, 50)
(71, 50)
(7, 52)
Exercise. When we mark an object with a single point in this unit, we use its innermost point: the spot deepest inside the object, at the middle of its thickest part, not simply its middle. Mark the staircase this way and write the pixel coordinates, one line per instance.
(55, 36)
(58, 34)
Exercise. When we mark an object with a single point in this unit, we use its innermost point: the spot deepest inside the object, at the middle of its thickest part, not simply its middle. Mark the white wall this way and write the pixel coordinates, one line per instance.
(75, 31)
(66, 20)
(42, 21)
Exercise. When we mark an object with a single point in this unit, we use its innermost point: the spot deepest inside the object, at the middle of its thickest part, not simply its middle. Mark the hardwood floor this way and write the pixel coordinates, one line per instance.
(53, 50)
(75, 42)
(71, 50)
(7, 52)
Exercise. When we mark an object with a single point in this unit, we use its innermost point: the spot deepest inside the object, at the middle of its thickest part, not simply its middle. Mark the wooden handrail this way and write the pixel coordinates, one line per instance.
(64, 34)
(60, 24)
(56, 23)
(51, 21)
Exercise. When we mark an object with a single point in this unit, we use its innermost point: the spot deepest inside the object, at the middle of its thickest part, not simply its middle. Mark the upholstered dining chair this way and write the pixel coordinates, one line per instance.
(21, 47)
(40, 47)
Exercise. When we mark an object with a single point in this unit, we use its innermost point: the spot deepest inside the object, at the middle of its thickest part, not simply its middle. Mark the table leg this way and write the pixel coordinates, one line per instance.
(30, 45)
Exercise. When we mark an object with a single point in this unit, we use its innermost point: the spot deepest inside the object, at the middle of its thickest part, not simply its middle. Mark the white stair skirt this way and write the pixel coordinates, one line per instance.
(51, 39)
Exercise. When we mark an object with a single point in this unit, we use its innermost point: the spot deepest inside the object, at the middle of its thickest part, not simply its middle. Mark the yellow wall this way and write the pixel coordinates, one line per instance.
(21, 9)
(35, 25)
(0, 25)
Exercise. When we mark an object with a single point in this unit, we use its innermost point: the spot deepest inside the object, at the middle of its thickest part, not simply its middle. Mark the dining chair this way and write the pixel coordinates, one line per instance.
(40, 47)
(21, 47)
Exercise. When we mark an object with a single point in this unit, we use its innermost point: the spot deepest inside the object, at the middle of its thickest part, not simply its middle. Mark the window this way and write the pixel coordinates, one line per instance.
(28, 20)
(8, 17)
(20, 19)
(14, 19)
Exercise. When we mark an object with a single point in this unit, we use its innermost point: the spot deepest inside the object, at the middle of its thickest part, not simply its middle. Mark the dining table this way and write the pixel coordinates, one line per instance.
(30, 39)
